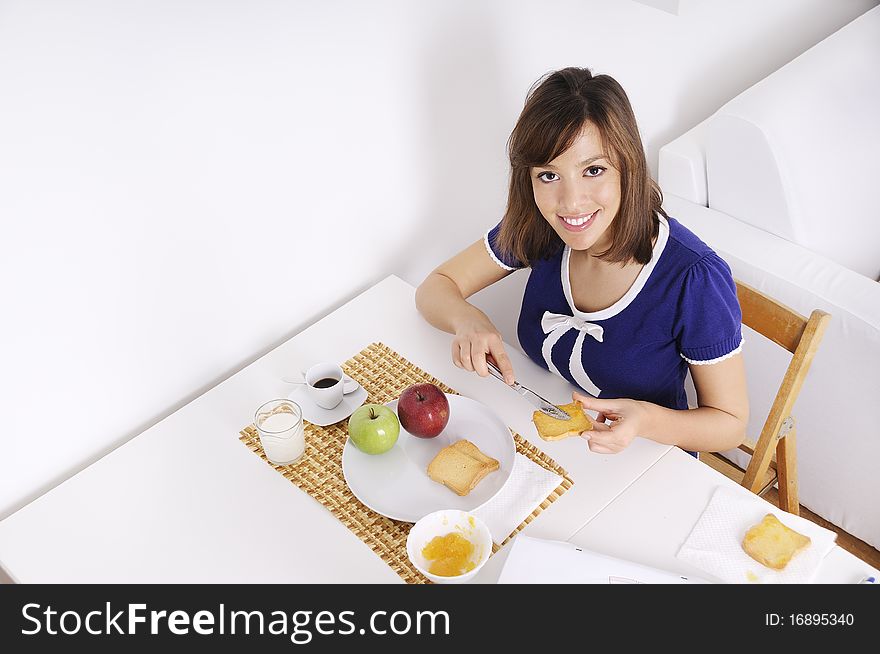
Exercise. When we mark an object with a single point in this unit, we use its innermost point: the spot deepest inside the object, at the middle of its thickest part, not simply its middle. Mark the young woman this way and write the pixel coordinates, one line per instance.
(622, 300)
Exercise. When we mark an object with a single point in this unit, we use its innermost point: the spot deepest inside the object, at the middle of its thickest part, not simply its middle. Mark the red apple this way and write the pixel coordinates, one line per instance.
(423, 410)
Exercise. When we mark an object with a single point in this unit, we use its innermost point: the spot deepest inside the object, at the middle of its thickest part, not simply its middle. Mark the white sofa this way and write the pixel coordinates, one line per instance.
(782, 181)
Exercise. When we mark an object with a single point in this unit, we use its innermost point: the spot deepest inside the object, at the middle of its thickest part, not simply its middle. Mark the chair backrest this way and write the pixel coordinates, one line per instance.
(801, 337)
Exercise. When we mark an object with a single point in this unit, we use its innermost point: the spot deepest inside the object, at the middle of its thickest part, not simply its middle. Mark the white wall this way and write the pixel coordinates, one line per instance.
(185, 185)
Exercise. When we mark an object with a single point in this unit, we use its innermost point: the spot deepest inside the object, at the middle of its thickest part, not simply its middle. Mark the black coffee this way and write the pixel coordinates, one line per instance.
(327, 382)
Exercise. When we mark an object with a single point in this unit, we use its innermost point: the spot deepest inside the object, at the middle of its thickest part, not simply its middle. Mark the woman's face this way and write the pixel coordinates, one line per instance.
(578, 193)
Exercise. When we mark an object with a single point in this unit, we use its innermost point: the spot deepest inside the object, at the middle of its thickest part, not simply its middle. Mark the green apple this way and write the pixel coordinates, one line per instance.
(373, 428)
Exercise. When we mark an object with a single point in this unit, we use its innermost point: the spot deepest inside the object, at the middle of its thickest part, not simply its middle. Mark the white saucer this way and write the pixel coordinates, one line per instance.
(323, 417)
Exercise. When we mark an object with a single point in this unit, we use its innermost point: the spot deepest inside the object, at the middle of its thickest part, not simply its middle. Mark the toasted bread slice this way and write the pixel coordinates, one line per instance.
(773, 544)
(470, 449)
(551, 429)
(458, 471)
(461, 466)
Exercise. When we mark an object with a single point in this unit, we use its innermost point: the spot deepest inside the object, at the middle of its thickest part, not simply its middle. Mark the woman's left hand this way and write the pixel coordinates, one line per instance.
(627, 420)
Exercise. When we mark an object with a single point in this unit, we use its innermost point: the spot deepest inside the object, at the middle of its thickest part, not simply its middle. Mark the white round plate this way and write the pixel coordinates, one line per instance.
(396, 484)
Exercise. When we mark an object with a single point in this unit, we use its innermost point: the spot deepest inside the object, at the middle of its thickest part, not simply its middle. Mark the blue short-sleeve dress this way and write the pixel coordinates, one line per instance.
(682, 309)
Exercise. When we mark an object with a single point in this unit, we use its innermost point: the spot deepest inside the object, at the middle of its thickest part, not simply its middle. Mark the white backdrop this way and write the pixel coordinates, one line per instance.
(185, 185)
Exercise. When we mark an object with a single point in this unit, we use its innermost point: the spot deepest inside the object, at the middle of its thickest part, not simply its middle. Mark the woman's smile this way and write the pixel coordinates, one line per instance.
(579, 222)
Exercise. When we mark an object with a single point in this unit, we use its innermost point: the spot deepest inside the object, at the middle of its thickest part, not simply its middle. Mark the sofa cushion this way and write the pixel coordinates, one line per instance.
(796, 155)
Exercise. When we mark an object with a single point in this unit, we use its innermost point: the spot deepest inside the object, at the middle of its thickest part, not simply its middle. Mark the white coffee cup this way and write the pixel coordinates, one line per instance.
(324, 384)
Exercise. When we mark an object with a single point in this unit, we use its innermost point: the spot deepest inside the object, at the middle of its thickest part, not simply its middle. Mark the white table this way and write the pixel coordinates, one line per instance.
(651, 519)
(186, 502)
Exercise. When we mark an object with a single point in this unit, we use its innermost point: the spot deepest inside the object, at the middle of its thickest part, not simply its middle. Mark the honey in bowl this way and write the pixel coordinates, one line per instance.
(450, 555)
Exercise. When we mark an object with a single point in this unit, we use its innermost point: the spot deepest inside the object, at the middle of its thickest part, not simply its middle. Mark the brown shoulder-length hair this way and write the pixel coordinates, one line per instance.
(556, 110)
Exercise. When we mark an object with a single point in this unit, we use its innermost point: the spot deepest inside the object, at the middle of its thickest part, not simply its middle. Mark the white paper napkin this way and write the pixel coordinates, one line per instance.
(715, 543)
(528, 485)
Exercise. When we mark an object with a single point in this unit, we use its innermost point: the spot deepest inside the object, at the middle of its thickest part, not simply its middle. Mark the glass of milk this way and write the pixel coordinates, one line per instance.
(280, 425)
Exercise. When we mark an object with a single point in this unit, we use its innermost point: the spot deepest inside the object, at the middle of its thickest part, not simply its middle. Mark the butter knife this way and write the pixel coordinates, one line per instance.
(536, 400)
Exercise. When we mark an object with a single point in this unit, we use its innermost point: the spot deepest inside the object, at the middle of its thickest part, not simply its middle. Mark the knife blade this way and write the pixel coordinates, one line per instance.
(544, 406)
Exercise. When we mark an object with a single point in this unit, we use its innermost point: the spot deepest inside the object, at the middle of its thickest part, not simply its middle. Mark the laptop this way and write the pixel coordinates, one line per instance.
(539, 561)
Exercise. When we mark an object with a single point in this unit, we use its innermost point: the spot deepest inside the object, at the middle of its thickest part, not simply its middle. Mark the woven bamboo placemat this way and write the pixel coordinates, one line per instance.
(384, 374)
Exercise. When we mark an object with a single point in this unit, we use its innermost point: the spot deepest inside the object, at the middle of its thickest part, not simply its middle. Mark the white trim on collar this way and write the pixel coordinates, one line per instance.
(630, 295)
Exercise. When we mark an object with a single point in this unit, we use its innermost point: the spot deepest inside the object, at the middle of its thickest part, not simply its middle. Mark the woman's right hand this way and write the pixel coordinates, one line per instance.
(442, 300)
(476, 338)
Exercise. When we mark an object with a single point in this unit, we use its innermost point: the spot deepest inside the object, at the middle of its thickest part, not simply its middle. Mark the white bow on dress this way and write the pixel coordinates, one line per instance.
(555, 325)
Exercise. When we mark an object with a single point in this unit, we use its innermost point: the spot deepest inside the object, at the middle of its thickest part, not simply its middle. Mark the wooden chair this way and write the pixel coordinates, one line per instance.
(801, 337)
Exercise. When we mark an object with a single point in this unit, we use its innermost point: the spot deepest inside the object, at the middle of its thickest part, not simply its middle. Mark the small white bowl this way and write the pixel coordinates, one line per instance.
(441, 523)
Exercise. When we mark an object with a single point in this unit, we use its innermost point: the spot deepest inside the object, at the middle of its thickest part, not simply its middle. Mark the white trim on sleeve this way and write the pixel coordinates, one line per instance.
(718, 360)
(492, 254)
